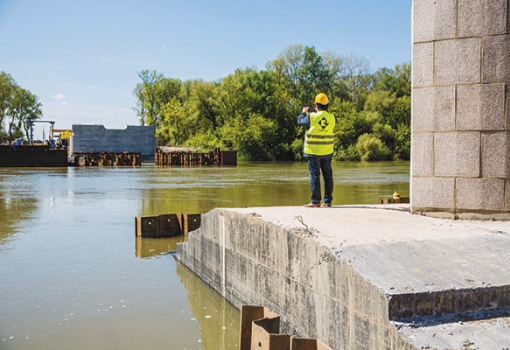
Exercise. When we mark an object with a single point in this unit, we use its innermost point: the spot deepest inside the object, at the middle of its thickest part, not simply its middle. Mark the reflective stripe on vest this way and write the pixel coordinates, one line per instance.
(319, 139)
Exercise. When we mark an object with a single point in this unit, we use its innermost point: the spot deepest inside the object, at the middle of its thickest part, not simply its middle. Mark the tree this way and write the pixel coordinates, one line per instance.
(147, 104)
(254, 111)
(24, 107)
(7, 85)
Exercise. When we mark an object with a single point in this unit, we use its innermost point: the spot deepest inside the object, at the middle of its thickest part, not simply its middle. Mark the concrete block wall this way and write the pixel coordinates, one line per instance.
(460, 156)
(253, 262)
(96, 138)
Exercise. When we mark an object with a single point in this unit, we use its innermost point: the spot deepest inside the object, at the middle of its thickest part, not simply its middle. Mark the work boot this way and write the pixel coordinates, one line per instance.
(312, 205)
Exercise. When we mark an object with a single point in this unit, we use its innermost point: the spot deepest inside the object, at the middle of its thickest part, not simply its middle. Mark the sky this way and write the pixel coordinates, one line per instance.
(81, 58)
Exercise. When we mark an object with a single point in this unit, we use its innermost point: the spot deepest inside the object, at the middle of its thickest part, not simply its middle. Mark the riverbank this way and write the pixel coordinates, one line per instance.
(361, 277)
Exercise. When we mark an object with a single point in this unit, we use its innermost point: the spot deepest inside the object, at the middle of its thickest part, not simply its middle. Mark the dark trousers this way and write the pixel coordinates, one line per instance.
(316, 164)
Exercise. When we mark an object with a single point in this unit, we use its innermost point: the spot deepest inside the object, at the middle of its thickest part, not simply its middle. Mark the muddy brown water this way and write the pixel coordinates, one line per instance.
(73, 275)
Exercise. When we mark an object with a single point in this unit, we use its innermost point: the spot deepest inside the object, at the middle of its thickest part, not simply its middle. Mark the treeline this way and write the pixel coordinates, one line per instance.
(254, 111)
(18, 107)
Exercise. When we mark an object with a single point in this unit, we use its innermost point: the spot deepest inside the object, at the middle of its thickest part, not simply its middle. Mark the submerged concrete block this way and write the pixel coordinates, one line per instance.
(481, 107)
(496, 59)
(476, 18)
(458, 61)
(422, 154)
(433, 109)
(434, 20)
(480, 194)
(457, 154)
(496, 154)
(423, 64)
(432, 192)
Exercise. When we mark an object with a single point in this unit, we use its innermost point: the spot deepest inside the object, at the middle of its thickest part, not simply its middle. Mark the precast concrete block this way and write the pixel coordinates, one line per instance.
(423, 64)
(481, 107)
(434, 20)
(477, 18)
(432, 192)
(496, 59)
(480, 194)
(457, 154)
(433, 109)
(422, 154)
(496, 154)
(458, 61)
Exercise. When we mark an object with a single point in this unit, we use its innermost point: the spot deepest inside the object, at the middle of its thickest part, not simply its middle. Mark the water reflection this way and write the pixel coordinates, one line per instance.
(147, 248)
(17, 201)
(219, 320)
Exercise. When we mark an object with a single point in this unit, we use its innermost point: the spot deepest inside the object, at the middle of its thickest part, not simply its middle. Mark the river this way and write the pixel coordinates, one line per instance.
(73, 275)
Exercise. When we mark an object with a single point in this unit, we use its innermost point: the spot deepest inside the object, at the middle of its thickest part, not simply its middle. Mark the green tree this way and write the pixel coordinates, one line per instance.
(7, 85)
(395, 80)
(23, 108)
(370, 147)
(147, 97)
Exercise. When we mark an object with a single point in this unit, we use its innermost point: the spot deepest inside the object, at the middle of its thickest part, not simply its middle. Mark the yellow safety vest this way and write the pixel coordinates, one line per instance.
(319, 139)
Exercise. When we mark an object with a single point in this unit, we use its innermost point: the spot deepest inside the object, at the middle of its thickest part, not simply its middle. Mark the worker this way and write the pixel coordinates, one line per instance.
(318, 149)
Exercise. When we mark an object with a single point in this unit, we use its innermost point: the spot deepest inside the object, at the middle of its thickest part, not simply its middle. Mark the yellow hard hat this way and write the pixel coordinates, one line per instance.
(322, 99)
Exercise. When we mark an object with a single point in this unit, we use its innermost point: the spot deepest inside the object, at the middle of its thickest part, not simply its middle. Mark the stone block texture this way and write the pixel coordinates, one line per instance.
(434, 20)
(434, 109)
(481, 107)
(507, 195)
(458, 61)
(481, 194)
(486, 17)
(496, 59)
(462, 101)
(433, 192)
(423, 64)
(496, 154)
(423, 158)
(457, 154)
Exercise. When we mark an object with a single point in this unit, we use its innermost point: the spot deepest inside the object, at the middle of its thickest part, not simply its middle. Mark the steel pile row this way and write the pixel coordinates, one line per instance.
(107, 159)
(166, 225)
(192, 158)
(260, 330)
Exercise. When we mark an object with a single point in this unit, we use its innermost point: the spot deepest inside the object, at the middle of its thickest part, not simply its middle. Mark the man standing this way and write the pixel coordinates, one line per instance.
(318, 150)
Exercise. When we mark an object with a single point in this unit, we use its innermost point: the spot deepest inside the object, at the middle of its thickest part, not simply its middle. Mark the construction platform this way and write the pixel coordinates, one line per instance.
(362, 277)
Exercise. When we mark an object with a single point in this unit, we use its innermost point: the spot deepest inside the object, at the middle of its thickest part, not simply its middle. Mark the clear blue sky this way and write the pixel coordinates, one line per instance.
(81, 58)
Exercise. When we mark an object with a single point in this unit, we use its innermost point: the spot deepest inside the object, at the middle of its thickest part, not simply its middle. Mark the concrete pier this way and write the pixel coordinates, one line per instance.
(460, 149)
(361, 277)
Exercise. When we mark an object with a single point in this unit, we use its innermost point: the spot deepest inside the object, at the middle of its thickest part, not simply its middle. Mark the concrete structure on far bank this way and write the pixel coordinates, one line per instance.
(96, 138)
(461, 109)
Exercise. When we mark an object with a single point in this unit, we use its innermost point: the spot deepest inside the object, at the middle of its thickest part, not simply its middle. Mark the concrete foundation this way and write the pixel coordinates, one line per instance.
(96, 138)
(361, 277)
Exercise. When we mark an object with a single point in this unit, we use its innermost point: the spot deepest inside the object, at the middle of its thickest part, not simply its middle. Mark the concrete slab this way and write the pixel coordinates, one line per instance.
(362, 274)
(399, 252)
(427, 267)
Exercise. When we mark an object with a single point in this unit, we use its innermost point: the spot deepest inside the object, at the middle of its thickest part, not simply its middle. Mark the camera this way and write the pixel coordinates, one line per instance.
(311, 110)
